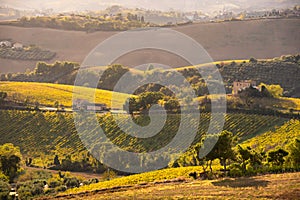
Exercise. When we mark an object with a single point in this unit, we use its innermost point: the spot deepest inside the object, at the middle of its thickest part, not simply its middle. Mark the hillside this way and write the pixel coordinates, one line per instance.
(51, 133)
(47, 94)
(271, 186)
(280, 137)
(223, 41)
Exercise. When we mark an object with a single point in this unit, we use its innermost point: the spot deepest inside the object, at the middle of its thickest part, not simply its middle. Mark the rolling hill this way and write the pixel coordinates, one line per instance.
(226, 40)
(50, 133)
(47, 93)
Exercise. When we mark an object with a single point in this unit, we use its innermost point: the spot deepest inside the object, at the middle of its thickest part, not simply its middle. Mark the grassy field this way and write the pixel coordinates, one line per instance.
(271, 186)
(47, 93)
(258, 38)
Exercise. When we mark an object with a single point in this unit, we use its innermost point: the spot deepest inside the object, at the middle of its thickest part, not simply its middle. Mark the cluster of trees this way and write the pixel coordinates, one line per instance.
(239, 161)
(144, 101)
(10, 167)
(58, 72)
(86, 163)
(33, 183)
(87, 23)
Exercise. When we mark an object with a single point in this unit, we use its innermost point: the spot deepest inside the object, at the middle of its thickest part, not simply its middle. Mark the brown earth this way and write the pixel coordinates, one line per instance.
(266, 38)
(270, 186)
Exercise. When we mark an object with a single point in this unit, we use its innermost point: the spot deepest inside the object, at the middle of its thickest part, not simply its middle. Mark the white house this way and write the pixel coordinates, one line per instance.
(5, 44)
(17, 46)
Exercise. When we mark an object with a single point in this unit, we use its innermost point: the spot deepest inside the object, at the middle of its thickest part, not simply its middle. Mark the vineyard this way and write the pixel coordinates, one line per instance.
(47, 94)
(31, 54)
(43, 135)
(280, 137)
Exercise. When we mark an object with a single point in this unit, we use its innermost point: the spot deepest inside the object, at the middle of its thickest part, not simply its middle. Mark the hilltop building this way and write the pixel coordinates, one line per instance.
(241, 85)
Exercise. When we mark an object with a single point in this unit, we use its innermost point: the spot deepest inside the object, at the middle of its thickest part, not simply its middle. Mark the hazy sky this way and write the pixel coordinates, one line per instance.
(184, 5)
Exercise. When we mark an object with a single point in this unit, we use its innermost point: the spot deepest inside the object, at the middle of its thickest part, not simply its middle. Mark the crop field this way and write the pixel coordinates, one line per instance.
(47, 94)
(43, 135)
(35, 54)
(223, 41)
(280, 137)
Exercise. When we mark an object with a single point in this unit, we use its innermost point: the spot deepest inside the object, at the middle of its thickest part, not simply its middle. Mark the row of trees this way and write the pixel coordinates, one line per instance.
(242, 160)
(85, 22)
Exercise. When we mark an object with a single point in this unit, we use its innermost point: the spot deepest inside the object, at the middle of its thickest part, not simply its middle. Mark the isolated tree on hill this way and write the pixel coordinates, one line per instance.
(223, 149)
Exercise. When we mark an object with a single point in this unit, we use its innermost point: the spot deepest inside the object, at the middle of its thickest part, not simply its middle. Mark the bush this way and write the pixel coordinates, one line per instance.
(4, 190)
(61, 188)
(54, 184)
(71, 182)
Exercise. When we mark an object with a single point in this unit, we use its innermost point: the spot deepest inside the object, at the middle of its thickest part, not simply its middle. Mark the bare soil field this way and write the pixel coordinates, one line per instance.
(272, 186)
(266, 38)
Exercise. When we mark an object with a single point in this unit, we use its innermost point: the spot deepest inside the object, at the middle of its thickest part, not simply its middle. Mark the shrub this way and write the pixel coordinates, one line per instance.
(71, 182)
(4, 190)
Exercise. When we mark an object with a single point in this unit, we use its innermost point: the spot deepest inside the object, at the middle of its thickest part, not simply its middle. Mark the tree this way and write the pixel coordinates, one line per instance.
(274, 90)
(172, 105)
(149, 98)
(10, 159)
(56, 105)
(294, 156)
(111, 76)
(131, 105)
(244, 155)
(252, 60)
(276, 157)
(223, 149)
(249, 156)
(28, 161)
(56, 160)
(3, 95)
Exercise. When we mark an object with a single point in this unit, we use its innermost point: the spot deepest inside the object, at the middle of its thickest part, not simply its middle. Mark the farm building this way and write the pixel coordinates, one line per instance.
(241, 85)
(5, 44)
(17, 46)
(81, 104)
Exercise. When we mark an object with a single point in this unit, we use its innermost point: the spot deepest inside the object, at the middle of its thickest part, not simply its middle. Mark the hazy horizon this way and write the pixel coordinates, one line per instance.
(164, 5)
